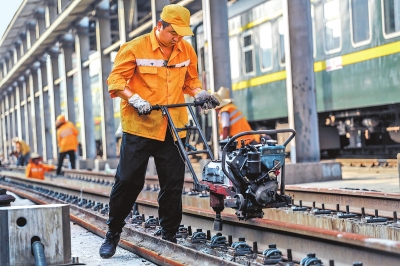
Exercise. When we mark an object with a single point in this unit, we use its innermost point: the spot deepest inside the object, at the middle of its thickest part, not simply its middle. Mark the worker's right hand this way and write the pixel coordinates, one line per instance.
(210, 100)
(142, 106)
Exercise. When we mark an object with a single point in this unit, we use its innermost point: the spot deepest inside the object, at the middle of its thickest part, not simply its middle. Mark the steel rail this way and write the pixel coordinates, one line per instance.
(328, 244)
(386, 203)
(389, 230)
(151, 248)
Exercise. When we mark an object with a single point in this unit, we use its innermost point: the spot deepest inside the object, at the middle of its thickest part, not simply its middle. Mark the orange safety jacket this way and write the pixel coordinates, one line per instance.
(67, 136)
(37, 171)
(237, 124)
(140, 66)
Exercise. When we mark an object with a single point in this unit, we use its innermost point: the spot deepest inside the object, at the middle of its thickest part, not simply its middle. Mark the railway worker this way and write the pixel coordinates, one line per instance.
(231, 120)
(22, 151)
(155, 68)
(67, 137)
(36, 168)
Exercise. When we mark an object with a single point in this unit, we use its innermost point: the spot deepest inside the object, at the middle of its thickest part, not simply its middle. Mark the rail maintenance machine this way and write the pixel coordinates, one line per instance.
(246, 179)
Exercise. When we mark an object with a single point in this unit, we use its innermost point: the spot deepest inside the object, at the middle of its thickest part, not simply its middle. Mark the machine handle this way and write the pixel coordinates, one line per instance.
(164, 108)
(159, 107)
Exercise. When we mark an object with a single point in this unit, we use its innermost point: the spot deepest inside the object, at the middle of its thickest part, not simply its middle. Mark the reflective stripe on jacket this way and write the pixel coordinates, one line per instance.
(37, 170)
(140, 66)
(67, 136)
(237, 123)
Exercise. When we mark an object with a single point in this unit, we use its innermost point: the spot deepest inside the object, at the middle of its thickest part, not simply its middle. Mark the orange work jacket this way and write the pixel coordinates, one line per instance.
(140, 66)
(237, 124)
(37, 171)
(67, 136)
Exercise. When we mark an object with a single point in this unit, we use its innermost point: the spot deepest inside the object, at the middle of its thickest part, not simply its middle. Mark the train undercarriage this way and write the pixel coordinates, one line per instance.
(372, 132)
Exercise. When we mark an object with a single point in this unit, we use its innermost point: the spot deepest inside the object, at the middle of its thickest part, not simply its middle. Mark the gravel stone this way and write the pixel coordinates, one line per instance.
(85, 245)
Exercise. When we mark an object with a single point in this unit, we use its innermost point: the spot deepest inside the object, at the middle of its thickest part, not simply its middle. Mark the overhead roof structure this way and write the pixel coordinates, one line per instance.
(63, 22)
(24, 13)
(60, 25)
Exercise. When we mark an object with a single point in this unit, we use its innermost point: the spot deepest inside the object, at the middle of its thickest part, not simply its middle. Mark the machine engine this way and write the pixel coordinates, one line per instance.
(247, 179)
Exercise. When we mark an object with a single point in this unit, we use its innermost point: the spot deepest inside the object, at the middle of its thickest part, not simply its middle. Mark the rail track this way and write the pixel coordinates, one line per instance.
(334, 240)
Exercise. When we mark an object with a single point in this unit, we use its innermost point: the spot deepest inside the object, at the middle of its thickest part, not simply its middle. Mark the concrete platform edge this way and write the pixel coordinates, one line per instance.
(312, 172)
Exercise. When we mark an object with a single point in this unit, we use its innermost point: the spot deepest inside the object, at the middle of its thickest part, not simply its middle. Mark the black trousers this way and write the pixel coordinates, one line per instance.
(61, 157)
(130, 176)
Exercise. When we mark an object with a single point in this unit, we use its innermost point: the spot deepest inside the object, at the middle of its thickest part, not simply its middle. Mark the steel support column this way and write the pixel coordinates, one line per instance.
(51, 9)
(14, 55)
(30, 109)
(130, 15)
(62, 4)
(24, 43)
(220, 43)
(31, 36)
(46, 128)
(156, 8)
(40, 20)
(300, 75)
(5, 66)
(35, 111)
(216, 29)
(82, 48)
(1, 129)
(4, 126)
(17, 45)
(18, 109)
(8, 121)
(55, 99)
(67, 46)
(103, 40)
(24, 106)
(10, 60)
(104, 6)
(12, 112)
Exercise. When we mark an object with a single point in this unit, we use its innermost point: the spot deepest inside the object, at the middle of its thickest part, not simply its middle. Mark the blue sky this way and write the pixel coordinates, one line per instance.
(7, 11)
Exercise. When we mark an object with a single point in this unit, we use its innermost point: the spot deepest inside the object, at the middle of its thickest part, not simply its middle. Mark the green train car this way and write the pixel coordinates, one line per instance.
(357, 71)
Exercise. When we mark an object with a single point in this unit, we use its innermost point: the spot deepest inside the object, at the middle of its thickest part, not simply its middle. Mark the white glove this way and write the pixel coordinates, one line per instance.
(142, 106)
(210, 100)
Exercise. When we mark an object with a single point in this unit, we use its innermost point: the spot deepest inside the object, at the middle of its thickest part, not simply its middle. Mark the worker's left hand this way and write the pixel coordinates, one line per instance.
(143, 107)
(210, 100)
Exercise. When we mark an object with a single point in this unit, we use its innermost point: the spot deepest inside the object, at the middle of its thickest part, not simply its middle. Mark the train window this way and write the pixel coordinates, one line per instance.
(281, 31)
(248, 54)
(266, 46)
(332, 27)
(391, 17)
(234, 55)
(360, 22)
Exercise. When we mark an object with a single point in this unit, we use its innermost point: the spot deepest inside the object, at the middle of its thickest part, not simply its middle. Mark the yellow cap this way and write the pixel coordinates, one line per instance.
(60, 120)
(179, 18)
(35, 155)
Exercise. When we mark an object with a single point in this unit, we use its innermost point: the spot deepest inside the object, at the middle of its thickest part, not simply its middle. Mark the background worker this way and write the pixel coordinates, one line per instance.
(36, 168)
(22, 151)
(231, 119)
(67, 137)
(155, 68)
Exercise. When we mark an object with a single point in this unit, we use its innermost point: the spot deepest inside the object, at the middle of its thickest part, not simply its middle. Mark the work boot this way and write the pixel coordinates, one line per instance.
(107, 249)
(170, 238)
